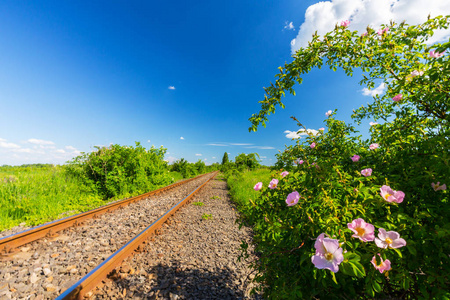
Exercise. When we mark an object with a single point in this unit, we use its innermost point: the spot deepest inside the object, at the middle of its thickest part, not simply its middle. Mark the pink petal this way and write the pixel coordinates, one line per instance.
(331, 245)
(382, 234)
(318, 245)
(398, 243)
(380, 243)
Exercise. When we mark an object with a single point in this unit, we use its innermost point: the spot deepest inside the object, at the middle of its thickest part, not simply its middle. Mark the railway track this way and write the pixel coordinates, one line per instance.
(69, 257)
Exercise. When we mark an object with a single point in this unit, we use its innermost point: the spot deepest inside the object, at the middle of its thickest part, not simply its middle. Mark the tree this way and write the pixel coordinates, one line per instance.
(225, 158)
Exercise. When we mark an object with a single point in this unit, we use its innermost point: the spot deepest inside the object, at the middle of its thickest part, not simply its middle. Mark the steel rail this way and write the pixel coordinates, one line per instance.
(9, 243)
(90, 281)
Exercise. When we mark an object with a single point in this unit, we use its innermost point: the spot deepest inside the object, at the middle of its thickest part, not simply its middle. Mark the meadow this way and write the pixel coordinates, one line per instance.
(36, 194)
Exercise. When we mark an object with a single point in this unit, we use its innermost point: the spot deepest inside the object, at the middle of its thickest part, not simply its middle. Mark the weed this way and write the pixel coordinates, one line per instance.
(198, 203)
(215, 197)
(207, 217)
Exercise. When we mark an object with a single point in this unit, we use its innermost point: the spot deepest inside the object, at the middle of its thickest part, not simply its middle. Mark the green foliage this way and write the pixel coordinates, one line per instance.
(247, 161)
(198, 203)
(225, 158)
(118, 171)
(207, 216)
(188, 170)
(215, 197)
(413, 153)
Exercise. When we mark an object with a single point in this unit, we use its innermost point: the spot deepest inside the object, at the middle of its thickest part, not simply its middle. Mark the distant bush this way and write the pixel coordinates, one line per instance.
(118, 171)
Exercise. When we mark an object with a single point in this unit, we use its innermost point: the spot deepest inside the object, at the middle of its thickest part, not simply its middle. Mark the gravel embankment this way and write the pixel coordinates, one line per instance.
(192, 258)
(47, 267)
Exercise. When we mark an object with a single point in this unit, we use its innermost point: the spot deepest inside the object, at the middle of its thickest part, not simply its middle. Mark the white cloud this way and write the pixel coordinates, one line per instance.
(198, 154)
(60, 151)
(324, 15)
(376, 91)
(299, 133)
(219, 145)
(214, 157)
(40, 142)
(181, 138)
(5, 144)
(171, 87)
(148, 141)
(171, 159)
(289, 26)
(240, 144)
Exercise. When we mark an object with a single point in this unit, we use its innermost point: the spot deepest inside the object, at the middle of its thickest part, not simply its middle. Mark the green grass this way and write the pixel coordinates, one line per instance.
(241, 185)
(38, 194)
(198, 203)
(207, 216)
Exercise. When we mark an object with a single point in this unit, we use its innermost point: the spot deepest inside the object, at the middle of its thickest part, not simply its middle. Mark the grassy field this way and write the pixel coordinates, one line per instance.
(241, 185)
(38, 194)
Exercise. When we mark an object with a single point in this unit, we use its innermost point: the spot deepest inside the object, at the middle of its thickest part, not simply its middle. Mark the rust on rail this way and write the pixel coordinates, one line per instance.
(9, 243)
(93, 278)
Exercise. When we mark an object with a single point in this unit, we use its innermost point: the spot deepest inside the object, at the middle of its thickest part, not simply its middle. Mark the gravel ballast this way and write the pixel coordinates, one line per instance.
(195, 256)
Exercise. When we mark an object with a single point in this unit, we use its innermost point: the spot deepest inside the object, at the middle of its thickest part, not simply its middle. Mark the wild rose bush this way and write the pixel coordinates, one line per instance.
(360, 218)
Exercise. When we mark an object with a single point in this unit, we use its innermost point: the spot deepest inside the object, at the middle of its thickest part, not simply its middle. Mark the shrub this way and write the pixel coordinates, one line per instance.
(353, 218)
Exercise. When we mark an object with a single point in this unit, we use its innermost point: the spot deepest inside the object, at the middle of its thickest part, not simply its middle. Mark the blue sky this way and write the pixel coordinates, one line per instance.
(183, 74)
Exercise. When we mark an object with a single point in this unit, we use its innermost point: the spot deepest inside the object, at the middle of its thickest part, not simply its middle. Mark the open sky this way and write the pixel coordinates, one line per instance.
(183, 74)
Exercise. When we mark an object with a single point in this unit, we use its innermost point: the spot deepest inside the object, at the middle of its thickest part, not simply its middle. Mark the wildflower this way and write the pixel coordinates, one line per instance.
(299, 161)
(373, 146)
(435, 54)
(373, 123)
(328, 113)
(355, 158)
(385, 265)
(321, 129)
(258, 186)
(389, 239)
(363, 231)
(438, 186)
(390, 195)
(273, 184)
(345, 23)
(313, 145)
(328, 254)
(414, 74)
(365, 34)
(398, 97)
(366, 172)
(292, 198)
(283, 174)
(381, 31)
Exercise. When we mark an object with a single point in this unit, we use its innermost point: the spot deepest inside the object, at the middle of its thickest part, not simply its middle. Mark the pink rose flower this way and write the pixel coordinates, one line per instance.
(300, 161)
(366, 172)
(273, 184)
(373, 146)
(365, 34)
(381, 31)
(292, 198)
(328, 113)
(321, 129)
(397, 97)
(283, 174)
(385, 265)
(313, 145)
(390, 195)
(355, 158)
(438, 186)
(389, 239)
(258, 186)
(373, 123)
(328, 254)
(345, 23)
(435, 54)
(363, 231)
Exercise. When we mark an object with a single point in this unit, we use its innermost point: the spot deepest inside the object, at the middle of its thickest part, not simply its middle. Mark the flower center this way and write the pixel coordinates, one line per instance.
(328, 256)
(387, 196)
(388, 241)
(360, 231)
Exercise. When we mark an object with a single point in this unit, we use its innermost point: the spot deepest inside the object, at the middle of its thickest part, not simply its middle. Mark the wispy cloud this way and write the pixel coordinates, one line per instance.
(289, 25)
(260, 147)
(198, 154)
(40, 142)
(5, 144)
(218, 145)
(376, 91)
(171, 87)
(324, 15)
(240, 144)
